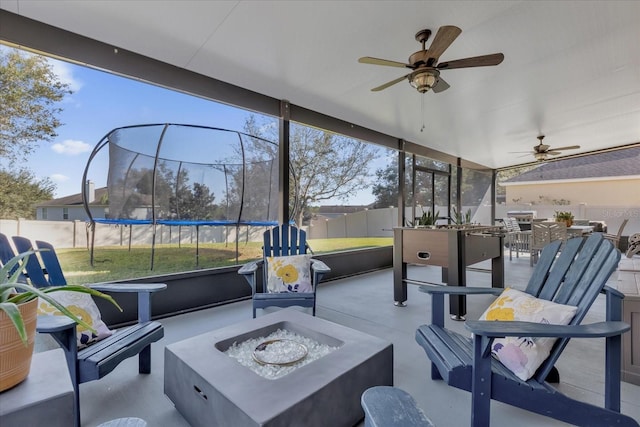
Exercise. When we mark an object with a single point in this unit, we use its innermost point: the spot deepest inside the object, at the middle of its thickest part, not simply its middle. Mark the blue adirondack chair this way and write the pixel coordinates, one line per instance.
(96, 360)
(575, 277)
(281, 241)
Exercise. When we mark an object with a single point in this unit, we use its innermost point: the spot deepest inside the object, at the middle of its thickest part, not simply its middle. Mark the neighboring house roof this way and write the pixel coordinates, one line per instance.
(616, 163)
(75, 199)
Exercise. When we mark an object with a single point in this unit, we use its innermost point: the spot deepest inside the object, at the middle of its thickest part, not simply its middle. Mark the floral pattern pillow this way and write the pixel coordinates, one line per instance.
(289, 273)
(83, 306)
(524, 355)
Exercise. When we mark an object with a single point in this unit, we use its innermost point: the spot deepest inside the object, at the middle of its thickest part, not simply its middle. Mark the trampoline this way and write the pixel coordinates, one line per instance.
(185, 176)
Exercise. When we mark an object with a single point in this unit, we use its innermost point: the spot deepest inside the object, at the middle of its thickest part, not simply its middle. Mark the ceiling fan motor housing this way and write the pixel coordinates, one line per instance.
(424, 79)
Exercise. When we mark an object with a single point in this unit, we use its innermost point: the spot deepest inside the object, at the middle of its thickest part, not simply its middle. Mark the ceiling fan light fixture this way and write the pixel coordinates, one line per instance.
(423, 80)
(540, 156)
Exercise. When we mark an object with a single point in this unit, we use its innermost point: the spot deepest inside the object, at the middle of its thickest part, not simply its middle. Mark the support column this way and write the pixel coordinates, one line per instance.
(283, 160)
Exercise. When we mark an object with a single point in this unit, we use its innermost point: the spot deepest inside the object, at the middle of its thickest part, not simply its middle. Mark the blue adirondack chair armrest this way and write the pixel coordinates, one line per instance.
(129, 287)
(612, 292)
(319, 267)
(144, 291)
(250, 267)
(459, 290)
(249, 271)
(48, 324)
(499, 329)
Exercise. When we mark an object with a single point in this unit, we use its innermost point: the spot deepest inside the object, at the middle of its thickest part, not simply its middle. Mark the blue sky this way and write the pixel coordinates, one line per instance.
(102, 102)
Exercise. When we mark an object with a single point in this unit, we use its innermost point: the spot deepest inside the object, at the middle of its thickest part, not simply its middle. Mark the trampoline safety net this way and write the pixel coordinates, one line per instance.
(187, 175)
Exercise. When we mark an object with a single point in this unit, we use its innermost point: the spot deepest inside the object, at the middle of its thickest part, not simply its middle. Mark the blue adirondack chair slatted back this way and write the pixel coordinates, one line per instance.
(6, 253)
(284, 240)
(51, 263)
(570, 281)
(32, 266)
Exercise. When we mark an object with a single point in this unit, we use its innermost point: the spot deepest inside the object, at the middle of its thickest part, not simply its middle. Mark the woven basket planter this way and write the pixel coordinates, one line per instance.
(15, 357)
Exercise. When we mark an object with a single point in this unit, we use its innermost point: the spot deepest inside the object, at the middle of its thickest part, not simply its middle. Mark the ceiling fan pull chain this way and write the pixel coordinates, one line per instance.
(422, 102)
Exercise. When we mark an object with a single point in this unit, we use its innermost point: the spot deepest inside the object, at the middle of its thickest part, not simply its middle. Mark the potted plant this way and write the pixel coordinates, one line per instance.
(18, 314)
(458, 218)
(427, 219)
(564, 216)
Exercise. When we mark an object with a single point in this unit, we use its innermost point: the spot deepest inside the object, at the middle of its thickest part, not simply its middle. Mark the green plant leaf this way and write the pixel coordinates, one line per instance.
(13, 313)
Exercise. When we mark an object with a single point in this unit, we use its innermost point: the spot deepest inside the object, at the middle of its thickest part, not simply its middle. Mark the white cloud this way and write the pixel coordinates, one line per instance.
(71, 147)
(58, 178)
(64, 71)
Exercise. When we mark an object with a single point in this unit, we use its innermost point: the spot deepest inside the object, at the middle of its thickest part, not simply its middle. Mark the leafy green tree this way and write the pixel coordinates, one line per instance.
(323, 165)
(29, 97)
(21, 190)
(385, 188)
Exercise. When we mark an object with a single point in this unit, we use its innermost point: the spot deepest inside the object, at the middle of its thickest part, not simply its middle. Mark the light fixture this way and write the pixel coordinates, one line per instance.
(424, 79)
(540, 156)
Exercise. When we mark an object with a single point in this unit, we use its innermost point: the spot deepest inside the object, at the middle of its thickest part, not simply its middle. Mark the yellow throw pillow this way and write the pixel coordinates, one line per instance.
(524, 355)
(289, 274)
(83, 306)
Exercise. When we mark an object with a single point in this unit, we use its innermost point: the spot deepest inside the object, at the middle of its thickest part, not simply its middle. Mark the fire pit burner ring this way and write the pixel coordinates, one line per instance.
(279, 352)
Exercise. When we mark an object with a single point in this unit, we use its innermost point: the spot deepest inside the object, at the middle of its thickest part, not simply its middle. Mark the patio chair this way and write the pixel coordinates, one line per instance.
(97, 359)
(289, 275)
(615, 238)
(568, 283)
(516, 238)
(543, 233)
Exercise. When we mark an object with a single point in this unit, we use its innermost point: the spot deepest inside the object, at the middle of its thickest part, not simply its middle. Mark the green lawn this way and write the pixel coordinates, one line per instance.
(118, 262)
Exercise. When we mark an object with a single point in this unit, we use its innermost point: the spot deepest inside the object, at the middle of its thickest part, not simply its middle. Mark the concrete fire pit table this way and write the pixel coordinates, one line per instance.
(210, 388)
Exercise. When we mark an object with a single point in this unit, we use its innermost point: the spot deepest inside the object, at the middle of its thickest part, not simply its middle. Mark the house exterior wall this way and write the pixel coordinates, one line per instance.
(591, 192)
(56, 213)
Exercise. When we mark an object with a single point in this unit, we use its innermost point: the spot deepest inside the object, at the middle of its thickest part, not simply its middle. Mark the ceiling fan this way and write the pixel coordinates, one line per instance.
(424, 63)
(543, 151)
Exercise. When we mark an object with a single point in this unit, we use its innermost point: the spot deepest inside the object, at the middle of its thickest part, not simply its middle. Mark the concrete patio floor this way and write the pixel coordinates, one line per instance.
(364, 303)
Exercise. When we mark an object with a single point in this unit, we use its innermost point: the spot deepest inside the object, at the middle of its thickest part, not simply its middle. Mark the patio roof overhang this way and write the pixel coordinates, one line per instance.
(570, 69)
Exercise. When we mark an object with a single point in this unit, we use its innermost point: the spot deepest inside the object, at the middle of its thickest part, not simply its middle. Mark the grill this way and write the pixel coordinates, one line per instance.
(524, 218)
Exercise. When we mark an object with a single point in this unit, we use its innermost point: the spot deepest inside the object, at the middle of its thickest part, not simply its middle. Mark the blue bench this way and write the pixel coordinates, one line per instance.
(386, 406)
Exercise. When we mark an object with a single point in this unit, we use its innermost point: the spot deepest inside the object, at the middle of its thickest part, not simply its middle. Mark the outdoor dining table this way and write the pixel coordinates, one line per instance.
(579, 230)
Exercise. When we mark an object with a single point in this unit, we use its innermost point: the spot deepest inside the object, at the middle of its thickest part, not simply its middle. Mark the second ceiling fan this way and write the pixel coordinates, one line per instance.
(543, 151)
(425, 65)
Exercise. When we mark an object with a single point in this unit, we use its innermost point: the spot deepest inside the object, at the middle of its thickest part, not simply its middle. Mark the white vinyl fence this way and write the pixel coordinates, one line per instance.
(368, 223)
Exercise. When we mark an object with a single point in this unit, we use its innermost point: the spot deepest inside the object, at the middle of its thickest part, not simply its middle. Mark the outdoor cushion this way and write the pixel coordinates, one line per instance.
(289, 273)
(83, 306)
(524, 355)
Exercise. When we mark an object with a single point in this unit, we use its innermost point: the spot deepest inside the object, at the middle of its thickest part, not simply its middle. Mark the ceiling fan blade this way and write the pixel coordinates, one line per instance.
(391, 83)
(476, 61)
(440, 86)
(552, 152)
(378, 61)
(443, 39)
(570, 147)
